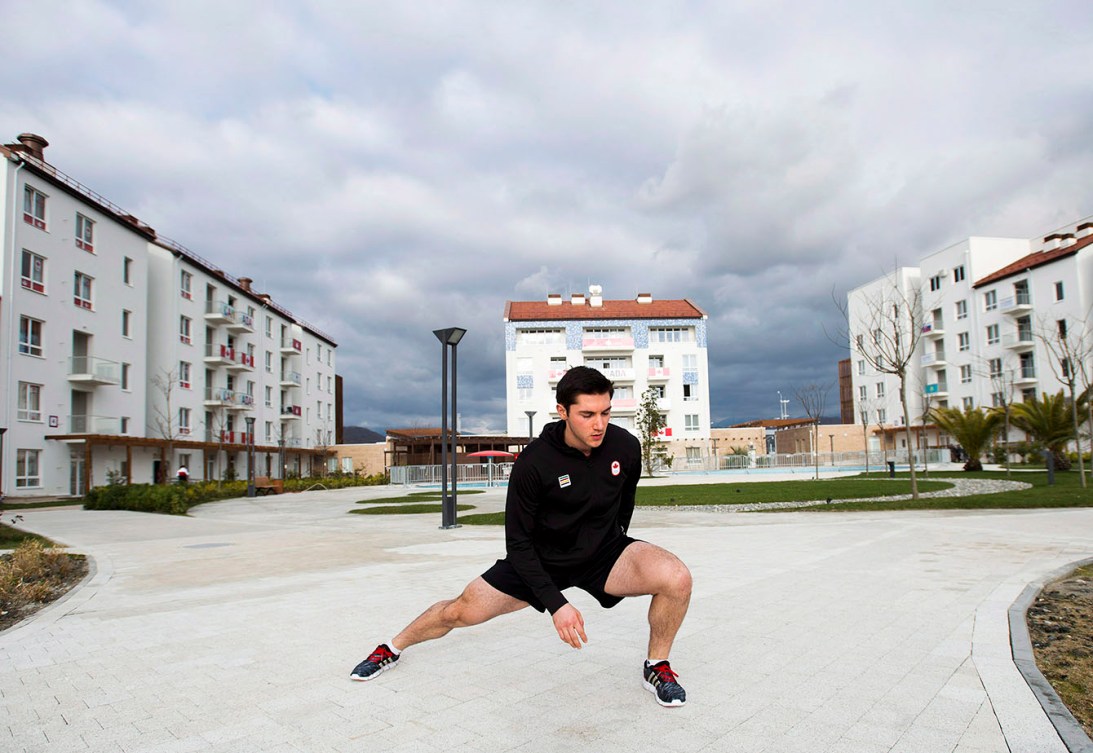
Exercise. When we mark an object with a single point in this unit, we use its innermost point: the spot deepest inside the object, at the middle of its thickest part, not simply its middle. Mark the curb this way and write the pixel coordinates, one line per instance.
(1070, 732)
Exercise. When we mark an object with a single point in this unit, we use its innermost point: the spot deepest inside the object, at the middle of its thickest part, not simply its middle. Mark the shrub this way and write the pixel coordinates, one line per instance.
(31, 574)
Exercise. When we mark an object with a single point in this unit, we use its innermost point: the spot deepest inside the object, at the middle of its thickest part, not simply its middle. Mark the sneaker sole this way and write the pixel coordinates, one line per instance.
(652, 689)
(374, 675)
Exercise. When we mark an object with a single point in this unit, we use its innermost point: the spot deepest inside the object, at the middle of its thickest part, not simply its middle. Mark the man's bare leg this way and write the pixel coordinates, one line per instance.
(478, 603)
(644, 568)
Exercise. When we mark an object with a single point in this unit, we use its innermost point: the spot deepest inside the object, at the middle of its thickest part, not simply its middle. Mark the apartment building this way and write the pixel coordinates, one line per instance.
(637, 344)
(983, 303)
(124, 355)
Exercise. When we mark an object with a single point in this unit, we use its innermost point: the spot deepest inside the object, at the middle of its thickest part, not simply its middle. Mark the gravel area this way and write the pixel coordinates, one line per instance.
(960, 488)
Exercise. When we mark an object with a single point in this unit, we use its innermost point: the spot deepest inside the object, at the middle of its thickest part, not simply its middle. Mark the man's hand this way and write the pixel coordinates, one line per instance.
(570, 626)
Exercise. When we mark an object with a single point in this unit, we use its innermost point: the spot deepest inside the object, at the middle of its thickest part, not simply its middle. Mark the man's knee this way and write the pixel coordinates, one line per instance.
(679, 579)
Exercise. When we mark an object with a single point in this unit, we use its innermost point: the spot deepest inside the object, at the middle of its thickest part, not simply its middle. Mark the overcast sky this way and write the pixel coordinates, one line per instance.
(386, 169)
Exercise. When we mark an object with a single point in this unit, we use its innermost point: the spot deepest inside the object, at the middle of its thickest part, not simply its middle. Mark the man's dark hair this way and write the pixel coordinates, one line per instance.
(582, 380)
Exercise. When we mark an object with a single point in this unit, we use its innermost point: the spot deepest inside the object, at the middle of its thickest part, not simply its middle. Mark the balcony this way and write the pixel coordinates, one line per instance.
(664, 403)
(240, 322)
(291, 412)
(241, 401)
(219, 312)
(553, 375)
(619, 375)
(94, 425)
(624, 404)
(601, 344)
(659, 374)
(939, 390)
(1018, 303)
(241, 362)
(89, 371)
(234, 437)
(218, 397)
(933, 330)
(291, 379)
(1019, 340)
(293, 442)
(935, 359)
(291, 346)
(1026, 375)
(219, 354)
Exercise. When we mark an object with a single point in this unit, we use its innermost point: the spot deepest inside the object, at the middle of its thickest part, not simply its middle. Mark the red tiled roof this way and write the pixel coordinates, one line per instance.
(527, 311)
(774, 423)
(1038, 259)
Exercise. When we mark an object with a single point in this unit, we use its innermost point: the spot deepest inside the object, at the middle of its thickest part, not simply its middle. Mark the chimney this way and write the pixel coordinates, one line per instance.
(244, 282)
(595, 296)
(34, 144)
(554, 299)
(645, 297)
(265, 297)
(1067, 239)
(576, 299)
(1052, 242)
(1085, 229)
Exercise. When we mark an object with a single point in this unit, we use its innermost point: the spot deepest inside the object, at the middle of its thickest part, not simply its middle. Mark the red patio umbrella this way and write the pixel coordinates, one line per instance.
(491, 454)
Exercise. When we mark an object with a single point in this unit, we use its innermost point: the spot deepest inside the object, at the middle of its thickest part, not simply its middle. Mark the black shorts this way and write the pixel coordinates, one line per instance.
(591, 578)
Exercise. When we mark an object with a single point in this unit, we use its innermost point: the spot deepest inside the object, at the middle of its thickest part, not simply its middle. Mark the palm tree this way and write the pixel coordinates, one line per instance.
(973, 430)
(1047, 422)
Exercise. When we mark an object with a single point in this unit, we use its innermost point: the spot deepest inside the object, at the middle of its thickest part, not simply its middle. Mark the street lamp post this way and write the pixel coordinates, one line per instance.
(281, 456)
(250, 456)
(449, 338)
(3, 431)
(715, 463)
(531, 429)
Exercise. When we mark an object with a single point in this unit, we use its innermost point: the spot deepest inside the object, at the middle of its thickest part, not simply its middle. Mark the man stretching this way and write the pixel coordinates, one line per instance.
(570, 500)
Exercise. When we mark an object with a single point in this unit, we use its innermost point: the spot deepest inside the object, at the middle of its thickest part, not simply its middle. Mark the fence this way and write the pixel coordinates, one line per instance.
(479, 473)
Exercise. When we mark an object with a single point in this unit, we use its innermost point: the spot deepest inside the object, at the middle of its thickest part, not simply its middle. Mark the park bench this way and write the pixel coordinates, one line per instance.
(266, 485)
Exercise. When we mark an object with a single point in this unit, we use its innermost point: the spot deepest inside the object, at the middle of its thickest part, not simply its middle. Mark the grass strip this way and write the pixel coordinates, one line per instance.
(33, 505)
(417, 497)
(761, 492)
(405, 509)
(13, 537)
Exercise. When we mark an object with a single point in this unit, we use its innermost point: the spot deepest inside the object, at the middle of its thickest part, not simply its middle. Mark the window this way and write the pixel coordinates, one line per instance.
(34, 272)
(127, 271)
(862, 394)
(1065, 364)
(125, 376)
(81, 290)
(961, 310)
(1059, 291)
(126, 323)
(34, 207)
(186, 285)
(969, 403)
(330, 383)
(655, 362)
(964, 340)
(85, 233)
(184, 325)
(269, 431)
(935, 283)
(990, 300)
(30, 336)
(269, 326)
(690, 422)
(882, 415)
(124, 425)
(30, 401)
(27, 475)
(880, 389)
(671, 334)
(995, 367)
(993, 337)
(861, 345)
(269, 362)
(690, 393)
(524, 366)
(965, 374)
(690, 362)
(861, 367)
(269, 397)
(997, 399)
(183, 420)
(329, 362)
(184, 374)
(958, 274)
(1060, 326)
(878, 337)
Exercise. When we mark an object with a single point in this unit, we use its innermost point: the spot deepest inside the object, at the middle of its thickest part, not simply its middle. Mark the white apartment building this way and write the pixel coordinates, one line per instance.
(983, 302)
(123, 355)
(637, 344)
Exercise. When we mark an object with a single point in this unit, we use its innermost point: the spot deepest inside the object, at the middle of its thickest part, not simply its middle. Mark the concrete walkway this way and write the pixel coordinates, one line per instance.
(235, 630)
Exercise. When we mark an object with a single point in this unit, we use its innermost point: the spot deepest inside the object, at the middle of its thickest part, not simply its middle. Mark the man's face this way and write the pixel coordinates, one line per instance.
(586, 421)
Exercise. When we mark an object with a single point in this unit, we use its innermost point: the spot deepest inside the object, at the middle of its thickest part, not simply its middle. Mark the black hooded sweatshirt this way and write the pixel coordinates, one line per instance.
(564, 508)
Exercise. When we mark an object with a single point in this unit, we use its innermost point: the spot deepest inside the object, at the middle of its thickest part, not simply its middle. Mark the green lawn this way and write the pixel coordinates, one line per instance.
(406, 509)
(417, 497)
(780, 491)
(13, 537)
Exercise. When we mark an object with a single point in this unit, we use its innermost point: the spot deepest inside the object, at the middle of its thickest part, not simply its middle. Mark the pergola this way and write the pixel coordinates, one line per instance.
(422, 446)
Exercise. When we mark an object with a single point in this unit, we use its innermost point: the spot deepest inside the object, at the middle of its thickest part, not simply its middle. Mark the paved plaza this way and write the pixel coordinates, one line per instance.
(235, 630)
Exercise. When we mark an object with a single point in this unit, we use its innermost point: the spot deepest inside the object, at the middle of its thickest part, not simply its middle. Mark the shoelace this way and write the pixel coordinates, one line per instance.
(665, 673)
(380, 654)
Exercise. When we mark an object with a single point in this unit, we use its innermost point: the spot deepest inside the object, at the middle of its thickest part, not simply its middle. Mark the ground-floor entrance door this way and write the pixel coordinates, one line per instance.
(75, 476)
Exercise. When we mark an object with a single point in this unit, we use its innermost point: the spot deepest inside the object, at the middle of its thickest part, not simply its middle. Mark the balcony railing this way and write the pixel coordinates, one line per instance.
(937, 358)
(291, 379)
(1017, 302)
(553, 375)
(84, 424)
(241, 362)
(290, 411)
(92, 370)
(624, 403)
(622, 375)
(1019, 339)
(219, 312)
(291, 345)
(219, 395)
(607, 343)
(937, 389)
(241, 322)
(659, 373)
(240, 401)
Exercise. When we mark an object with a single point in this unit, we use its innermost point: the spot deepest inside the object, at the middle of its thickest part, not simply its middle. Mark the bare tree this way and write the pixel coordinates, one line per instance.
(1070, 346)
(813, 397)
(885, 330)
(165, 424)
(1002, 373)
(866, 408)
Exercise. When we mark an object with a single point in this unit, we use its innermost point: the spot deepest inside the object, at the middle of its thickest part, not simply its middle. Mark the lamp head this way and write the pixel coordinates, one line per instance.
(450, 336)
